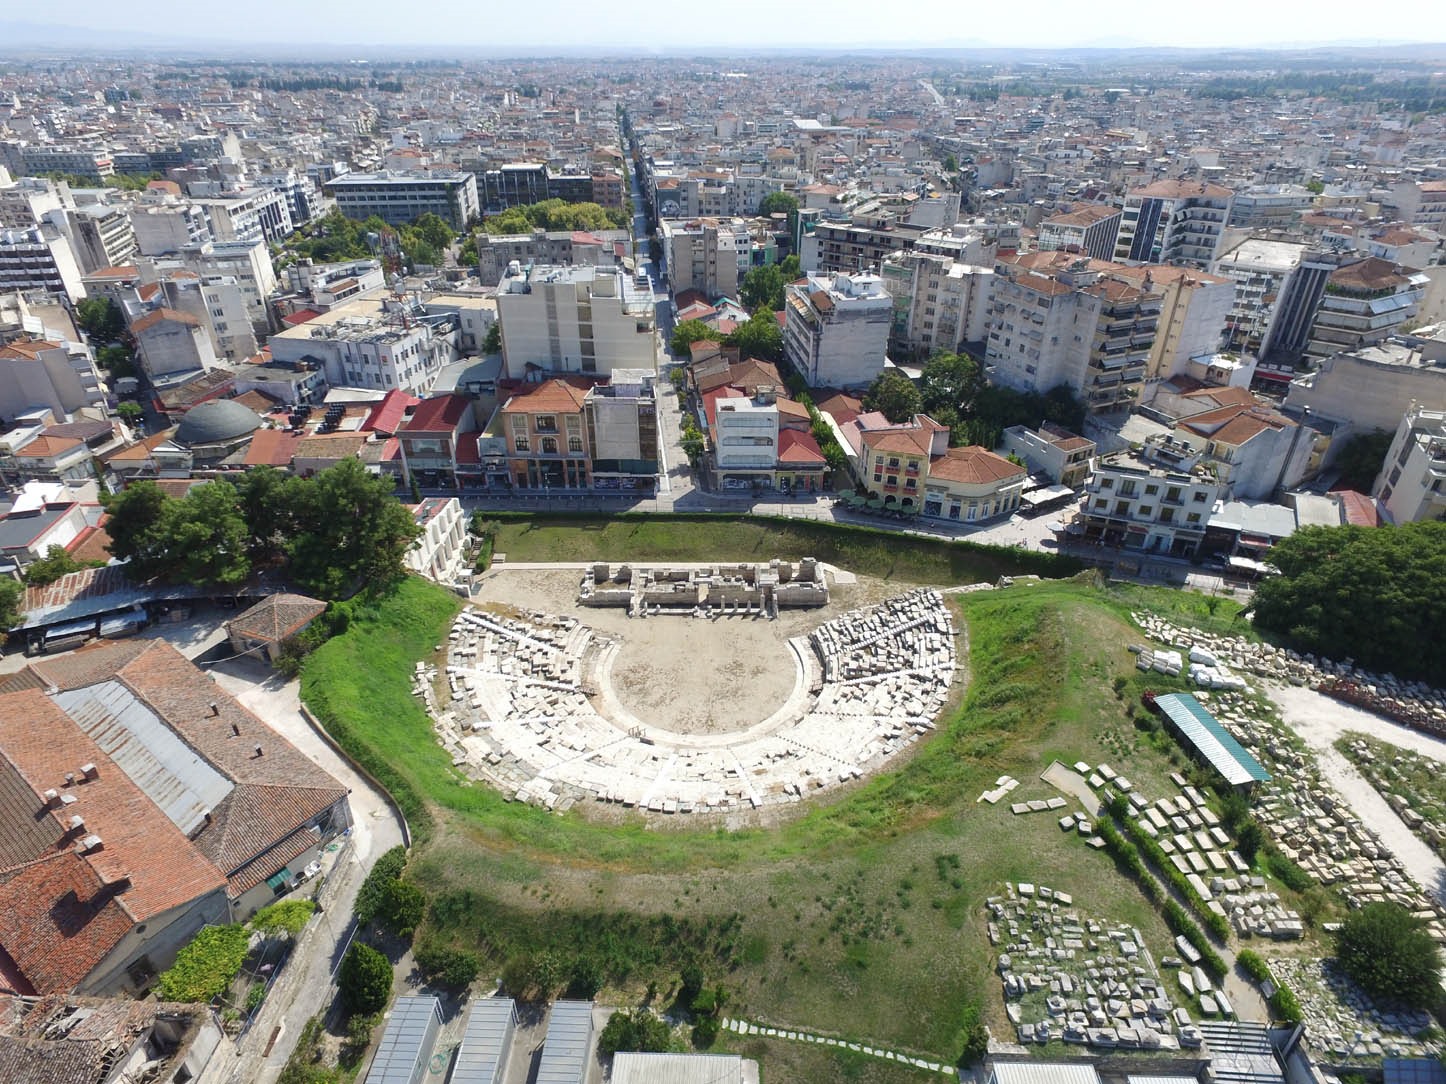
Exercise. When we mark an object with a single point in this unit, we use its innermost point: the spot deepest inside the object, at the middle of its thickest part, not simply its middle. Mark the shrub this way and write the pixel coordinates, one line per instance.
(705, 1032)
(365, 979)
(204, 968)
(635, 1030)
(287, 917)
(358, 1037)
(371, 896)
(973, 1037)
(1388, 953)
(443, 965)
(403, 905)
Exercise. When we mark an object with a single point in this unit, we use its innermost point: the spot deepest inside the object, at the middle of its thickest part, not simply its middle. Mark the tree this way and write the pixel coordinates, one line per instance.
(763, 287)
(635, 1030)
(1361, 459)
(268, 499)
(950, 382)
(687, 333)
(11, 611)
(777, 203)
(130, 412)
(403, 905)
(101, 319)
(1333, 577)
(893, 394)
(1315, 186)
(289, 917)
(365, 979)
(492, 343)
(55, 564)
(116, 359)
(951, 164)
(759, 337)
(201, 538)
(371, 896)
(135, 513)
(349, 527)
(792, 268)
(434, 230)
(1389, 953)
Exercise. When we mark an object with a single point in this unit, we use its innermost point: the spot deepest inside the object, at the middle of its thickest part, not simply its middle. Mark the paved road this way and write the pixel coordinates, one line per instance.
(303, 987)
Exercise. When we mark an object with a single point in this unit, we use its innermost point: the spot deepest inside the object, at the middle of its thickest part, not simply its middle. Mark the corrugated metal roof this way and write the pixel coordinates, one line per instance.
(482, 1056)
(172, 774)
(1216, 744)
(1240, 1053)
(1034, 1071)
(677, 1069)
(569, 1040)
(406, 1044)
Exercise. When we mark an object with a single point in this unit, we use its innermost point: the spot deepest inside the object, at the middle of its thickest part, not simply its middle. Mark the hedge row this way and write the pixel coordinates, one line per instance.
(1283, 1004)
(1128, 859)
(1218, 925)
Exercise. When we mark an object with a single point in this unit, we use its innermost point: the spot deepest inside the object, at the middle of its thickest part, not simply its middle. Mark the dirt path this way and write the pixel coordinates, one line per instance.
(1320, 720)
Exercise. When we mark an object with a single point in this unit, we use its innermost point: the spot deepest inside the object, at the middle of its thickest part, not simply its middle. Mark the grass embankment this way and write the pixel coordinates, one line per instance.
(867, 909)
(888, 555)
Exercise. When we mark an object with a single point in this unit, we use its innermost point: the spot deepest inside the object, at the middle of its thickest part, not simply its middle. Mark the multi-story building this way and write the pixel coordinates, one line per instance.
(215, 300)
(1278, 285)
(1370, 388)
(1176, 222)
(544, 426)
(1269, 206)
(855, 247)
(1194, 310)
(598, 248)
(706, 254)
(1364, 303)
(1421, 203)
(164, 224)
(432, 439)
(39, 259)
(939, 303)
(398, 196)
(101, 236)
(1089, 230)
(441, 544)
(578, 319)
(836, 329)
(1063, 457)
(514, 184)
(26, 201)
(246, 262)
(372, 342)
(621, 421)
(1412, 484)
(1141, 505)
(75, 161)
(910, 466)
(172, 343)
(1061, 320)
(256, 214)
(303, 201)
(39, 374)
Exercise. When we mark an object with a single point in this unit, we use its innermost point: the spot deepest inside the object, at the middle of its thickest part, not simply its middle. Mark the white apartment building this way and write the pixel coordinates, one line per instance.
(939, 304)
(39, 259)
(1278, 285)
(438, 551)
(371, 342)
(745, 435)
(100, 235)
(172, 343)
(165, 228)
(707, 254)
(836, 329)
(1372, 387)
(256, 214)
(1364, 303)
(249, 263)
(1194, 311)
(1062, 320)
(577, 319)
(1178, 222)
(1269, 206)
(1141, 506)
(1412, 484)
(217, 301)
(44, 374)
(26, 201)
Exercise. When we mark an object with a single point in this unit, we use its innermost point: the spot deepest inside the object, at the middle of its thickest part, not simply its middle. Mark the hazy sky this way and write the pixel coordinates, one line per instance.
(760, 23)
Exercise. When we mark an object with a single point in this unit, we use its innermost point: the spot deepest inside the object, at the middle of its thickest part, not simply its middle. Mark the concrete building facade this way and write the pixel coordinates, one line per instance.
(836, 329)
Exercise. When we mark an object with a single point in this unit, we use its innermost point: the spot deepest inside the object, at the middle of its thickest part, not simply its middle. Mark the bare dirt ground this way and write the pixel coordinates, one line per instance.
(686, 674)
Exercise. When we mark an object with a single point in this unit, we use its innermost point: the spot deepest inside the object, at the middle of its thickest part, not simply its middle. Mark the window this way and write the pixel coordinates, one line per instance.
(548, 445)
(1193, 517)
(893, 463)
(520, 444)
(1100, 503)
(1199, 497)
(1146, 512)
(1172, 494)
(546, 423)
(574, 444)
(1107, 483)
(1150, 491)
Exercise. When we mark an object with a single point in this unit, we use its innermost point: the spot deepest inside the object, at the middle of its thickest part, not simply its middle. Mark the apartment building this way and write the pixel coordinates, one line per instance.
(39, 259)
(621, 421)
(172, 344)
(578, 319)
(25, 201)
(1412, 483)
(431, 440)
(372, 342)
(1421, 203)
(939, 304)
(1364, 303)
(100, 236)
(252, 215)
(1174, 222)
(596, 248)
(857, 246)
(1372, 387)
(1089, 230)
(1194, 311)
(399, 196)
(836, 329)
(164, 226)
(217, 301)
(1142, 505)
(1278, 285)
(710, 255)
(441, 544)
(42, 374)
(76, 161)
(1061, 320)
(1269, 206)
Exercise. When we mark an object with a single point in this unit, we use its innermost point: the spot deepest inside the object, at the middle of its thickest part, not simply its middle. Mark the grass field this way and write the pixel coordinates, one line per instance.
(866, 909)
(884, 554)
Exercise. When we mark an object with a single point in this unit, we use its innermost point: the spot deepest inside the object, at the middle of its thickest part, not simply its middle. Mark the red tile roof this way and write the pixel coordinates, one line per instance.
(387, 416)
(439, 415)
(276, 618)
(555, 396)
(163, 316)
(58, 921)
(272, 448)
(797, 447)
(973, 465)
